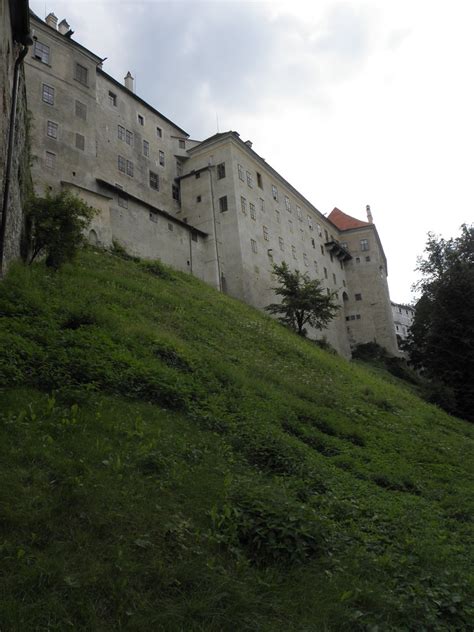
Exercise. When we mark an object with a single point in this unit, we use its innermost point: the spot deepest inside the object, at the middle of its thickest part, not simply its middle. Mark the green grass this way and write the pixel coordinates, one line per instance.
(171, 459)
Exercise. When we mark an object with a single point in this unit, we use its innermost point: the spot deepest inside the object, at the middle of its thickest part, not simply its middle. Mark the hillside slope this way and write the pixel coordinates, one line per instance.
(171, 459)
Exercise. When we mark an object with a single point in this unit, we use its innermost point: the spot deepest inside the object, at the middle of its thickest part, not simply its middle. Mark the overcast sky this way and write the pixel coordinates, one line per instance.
(353, 102)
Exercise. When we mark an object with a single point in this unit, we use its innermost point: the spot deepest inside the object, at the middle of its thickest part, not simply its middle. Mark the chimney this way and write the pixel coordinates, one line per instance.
(63, 27)
(52, 21)
(248, 143)
(128, 80)
(370, 219)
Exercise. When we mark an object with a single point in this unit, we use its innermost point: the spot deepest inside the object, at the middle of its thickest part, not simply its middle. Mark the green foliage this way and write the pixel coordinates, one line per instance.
(304, 301)
(151, 481)
(441, 339)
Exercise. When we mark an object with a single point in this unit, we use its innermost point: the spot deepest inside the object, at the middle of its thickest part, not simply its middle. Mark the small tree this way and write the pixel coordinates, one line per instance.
(304, 300)
(55, 227)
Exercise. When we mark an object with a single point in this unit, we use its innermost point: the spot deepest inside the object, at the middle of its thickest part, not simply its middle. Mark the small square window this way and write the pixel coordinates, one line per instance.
(81, 74)
(154, 181)
(198, 199)
(254, 245)
(161, 158)
(367, 258)
(80, 142)
(50, 159)
(52, 129)
(259, 180)
(358, 297)
(240, 170)
(48, 94)
(357, 259)
(223, 204)
(221, 170)
(41, 52)
(243, 204)
(141, 120)
(159, 132)
(112, 99)
(182, 144)
(357, 316)
(146, 148)
(274, 193)
(253, 213)
(81, 110)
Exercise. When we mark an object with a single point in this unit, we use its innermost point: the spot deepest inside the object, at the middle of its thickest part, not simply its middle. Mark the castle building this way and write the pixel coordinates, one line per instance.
(403, 316)
(214, 208)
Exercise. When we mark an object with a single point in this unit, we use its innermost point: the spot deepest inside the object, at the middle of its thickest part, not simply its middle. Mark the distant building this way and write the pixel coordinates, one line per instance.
(403, 316)
(213, 208)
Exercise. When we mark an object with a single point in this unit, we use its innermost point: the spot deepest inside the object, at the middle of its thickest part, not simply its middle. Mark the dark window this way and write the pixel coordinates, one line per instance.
(198, 199)
(175, 192)
(221, 170)
(50, 159)
(159, 132)
(223, 204)
(122, 164)
(48, 94)
(274, 193)
(141, 120)
(162, 158)
(112, 99)
(81, 74)
(334, 278)
(129, 137)
(41, 52)
(81, 110)
(259, 180)
(154, 181)
(182, 144)
(326, 234)
(358, 297)
(146, 148)
(325, 273)
(367, 258)
(364, 244)
(357, 316)
(121, 132)
(313, 243)
(197, 175)
(129, 168)
(52, 129)
(322, 249)
(80, 142)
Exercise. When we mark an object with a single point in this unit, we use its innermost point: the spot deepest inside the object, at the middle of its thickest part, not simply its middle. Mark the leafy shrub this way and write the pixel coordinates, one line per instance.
(368, 351)
(119, 251)
(158, 269)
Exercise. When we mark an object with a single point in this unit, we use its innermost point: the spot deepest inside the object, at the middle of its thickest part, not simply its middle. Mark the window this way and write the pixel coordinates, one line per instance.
(122, 164)
(129, 168)
(316, 266)
(358, 297)
(364, 244)
(253, 214)
(277, 214)
(146, 148)
(52, 129)
(313, 243)
(170, 226)
(41, 52)
(326, 236)
(243, 204)
(112, 99)
(281, 243)
(194, 235)
(249, 179)
(322, 249)
(259, 180)
(287, 204)
(159, 132)
(154, 181)
(293, 251)
(80, 142)
(253, 243)
(318, 228)
(274, 192)
(48, 94)
(223, 204)
(290, 224)
(81, 74)
(305, 259)
(197, 175)
(129, 137)
(325, 273)
(121, 132)
(367, 258)
(198, 199)
(299, 214)
(162, 158)
(81, 110)
(262, 205)
(122, 201)
(50, 159)
(265, 233)
(334, 278)
(357, 316)
(153, 217)
(182, 144)
(221, 170)
(175, 192)
(141, 120)
(240, 170)
(343, 283)
(310, 223)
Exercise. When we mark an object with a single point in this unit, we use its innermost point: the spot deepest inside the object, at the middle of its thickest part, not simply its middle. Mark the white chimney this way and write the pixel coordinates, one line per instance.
(52, 21)
(128, 80)
(64, 27)
(370, 219)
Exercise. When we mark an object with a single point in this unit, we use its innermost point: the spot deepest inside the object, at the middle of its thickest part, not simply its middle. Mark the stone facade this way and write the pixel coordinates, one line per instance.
(403, 316)
(14, 34)
(213, 208)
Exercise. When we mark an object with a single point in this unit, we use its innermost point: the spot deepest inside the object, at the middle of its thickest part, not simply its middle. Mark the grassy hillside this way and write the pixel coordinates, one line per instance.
(171, 459)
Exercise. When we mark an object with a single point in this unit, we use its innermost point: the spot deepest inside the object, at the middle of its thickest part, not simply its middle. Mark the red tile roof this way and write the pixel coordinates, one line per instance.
(345, 222)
